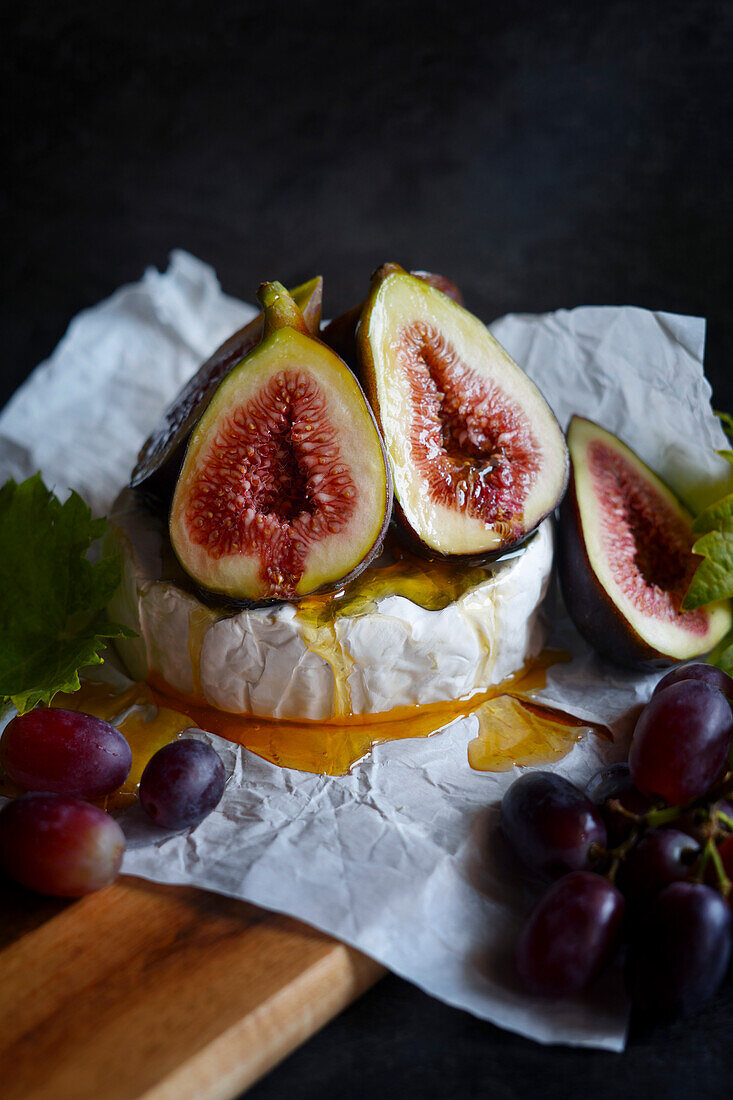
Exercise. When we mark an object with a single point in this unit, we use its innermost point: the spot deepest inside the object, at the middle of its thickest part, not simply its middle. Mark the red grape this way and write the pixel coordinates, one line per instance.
(550, 824)
(59, 845)
(680, 951)
(709, 674)
(66, 752)
(681, 741)
(661, 856)
(181, 784)
(570, 935)
(614, 783)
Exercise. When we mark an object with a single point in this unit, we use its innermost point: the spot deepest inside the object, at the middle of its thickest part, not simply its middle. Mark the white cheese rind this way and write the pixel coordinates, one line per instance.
(259, 662)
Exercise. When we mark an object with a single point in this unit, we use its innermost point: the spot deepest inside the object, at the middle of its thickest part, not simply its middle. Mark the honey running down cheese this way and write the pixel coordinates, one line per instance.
(404, 633)
(509, 727)
(512, 730)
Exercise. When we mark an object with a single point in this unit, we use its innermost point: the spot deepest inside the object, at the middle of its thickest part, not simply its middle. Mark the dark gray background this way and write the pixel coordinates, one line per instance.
(541, 154)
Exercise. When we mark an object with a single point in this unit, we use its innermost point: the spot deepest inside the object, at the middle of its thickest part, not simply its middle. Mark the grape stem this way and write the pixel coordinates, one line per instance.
(710, 824)
(724, 883)
(663, 815)
(616, 855)
(710, 854)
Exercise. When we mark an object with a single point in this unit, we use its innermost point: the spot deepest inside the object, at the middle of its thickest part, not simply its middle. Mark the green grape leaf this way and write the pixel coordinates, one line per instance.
(52, 597)
(713, 579)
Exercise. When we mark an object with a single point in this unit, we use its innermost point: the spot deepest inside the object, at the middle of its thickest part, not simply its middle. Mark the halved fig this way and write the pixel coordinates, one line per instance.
(626, 557)
(285, 487)
(478, 459)
(161, 457)
(340, 333)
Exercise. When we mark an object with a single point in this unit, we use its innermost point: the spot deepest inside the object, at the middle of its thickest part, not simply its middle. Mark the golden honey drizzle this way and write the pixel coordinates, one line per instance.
(514, 732)
(512, 729)
(431, 585)
(332, 747)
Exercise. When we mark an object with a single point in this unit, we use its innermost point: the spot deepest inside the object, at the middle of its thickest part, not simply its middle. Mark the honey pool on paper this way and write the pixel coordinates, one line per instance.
(512, 729)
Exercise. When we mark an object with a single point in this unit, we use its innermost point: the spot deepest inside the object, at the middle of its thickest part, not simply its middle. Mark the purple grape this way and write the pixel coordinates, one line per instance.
(66, 752)
(181, 784)
(570, 935)
(680, 951)
(614, 783)
(709, 674)
(550, 824)
(681, 742)
(661, 857)
(59, 845)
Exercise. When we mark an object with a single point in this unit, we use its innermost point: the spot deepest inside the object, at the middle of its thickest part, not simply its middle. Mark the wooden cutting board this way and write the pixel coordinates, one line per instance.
(161, 992)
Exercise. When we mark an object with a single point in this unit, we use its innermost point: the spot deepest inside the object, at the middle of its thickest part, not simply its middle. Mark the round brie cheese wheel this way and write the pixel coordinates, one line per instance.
(276, 662)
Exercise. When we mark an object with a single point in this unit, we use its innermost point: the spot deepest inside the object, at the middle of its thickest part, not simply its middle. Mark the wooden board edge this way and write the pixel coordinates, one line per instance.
(244, 1053)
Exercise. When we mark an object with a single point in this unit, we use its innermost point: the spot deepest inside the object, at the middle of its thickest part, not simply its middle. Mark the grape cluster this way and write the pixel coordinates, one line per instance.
(642, 859)
(54, 841)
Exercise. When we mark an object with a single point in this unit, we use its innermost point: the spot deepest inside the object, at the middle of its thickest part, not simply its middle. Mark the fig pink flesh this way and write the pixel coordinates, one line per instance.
(274, 479)
(646, 544)
(474, 445)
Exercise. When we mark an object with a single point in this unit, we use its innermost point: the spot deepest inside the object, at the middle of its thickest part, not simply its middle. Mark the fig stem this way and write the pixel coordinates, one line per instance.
(280, 310)
(390, 268)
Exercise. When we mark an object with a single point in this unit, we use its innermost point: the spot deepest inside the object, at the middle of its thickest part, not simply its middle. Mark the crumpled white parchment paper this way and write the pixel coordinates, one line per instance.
(400, 857)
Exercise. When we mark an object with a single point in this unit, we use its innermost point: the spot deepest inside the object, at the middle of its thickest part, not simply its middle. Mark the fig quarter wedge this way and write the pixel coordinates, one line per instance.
(477, 457)
(161, 456)
(285, 488)
(626, 557)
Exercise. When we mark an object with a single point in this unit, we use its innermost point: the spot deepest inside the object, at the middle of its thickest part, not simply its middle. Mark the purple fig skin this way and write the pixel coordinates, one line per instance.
(440, 282)
(367, 376)
(405, 535)
(340, 334)
(162, 454)
(594, 612)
